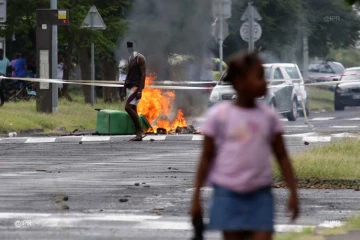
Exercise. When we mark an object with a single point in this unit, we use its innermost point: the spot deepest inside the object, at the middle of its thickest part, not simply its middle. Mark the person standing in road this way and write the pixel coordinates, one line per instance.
(133, 86)
(5, 64)
(240, 138)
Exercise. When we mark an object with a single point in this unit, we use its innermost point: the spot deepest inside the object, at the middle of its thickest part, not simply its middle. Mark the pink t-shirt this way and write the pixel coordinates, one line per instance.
(243, 137)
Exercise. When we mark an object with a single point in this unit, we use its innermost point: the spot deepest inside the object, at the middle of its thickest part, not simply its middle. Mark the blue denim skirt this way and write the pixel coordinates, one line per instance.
(232, 211)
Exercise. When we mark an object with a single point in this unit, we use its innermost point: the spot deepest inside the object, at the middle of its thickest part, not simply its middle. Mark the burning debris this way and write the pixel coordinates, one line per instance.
(156, 106)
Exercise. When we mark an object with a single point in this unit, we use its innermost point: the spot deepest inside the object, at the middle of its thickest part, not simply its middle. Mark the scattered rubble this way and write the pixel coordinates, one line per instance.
(123, 200)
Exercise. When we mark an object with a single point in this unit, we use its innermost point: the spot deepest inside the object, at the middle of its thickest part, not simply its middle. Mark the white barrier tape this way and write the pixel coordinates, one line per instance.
(117, 84)
(98, 83)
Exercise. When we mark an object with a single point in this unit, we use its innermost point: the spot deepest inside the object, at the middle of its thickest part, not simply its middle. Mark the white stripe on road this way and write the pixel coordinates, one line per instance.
(292, 228)
(297, 126)
(344, 127)
(301, 134)
(353, 119)
(345, 135)
(198, 138)
(95, 139)
(141, 221)
(322, 119)
(316, 139)
(40, 140)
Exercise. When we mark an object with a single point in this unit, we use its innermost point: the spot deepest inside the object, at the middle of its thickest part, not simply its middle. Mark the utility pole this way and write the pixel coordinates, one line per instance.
(305, 58)
(92, 58)
(54, 61)
(221, 40)
(251, 28)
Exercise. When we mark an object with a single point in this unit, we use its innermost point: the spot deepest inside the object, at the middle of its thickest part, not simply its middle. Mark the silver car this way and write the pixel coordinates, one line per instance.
(286, 90)
(347, 93)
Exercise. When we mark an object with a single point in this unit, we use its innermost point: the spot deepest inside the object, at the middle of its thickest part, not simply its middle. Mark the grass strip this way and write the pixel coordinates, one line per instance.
(336, 165)
(71, 115)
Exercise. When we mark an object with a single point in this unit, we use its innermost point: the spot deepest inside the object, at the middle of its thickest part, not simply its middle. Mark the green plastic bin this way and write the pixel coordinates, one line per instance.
(112, 122)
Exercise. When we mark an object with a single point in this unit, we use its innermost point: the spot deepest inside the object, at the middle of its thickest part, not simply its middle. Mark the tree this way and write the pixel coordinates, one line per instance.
(73, 40)
(286, 22)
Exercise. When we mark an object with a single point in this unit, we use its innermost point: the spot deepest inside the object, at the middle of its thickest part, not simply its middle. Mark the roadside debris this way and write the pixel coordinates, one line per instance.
(62, 198)
(123, 200)
(306, 143)
(65, 207)
(137, 184)
(12, 134)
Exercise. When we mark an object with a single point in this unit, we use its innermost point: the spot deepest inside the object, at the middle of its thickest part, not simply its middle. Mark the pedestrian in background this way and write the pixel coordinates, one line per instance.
(15, 58)
(236, 160)
(5, 64)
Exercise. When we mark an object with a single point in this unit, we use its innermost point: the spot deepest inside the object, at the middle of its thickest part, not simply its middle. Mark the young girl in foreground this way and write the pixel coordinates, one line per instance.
(239, 141)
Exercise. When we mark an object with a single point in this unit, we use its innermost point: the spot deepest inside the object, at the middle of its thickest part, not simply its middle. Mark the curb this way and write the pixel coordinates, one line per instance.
(300, 138)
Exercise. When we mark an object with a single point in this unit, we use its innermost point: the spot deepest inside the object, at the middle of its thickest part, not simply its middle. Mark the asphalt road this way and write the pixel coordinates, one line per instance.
(95, 175)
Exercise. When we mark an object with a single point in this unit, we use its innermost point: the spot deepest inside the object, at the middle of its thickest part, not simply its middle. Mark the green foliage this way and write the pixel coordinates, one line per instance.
(286, 22)
(348, 57)
(21, 21)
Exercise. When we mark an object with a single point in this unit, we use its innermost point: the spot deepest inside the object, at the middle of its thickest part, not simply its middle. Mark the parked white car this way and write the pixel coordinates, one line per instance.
(286, 90)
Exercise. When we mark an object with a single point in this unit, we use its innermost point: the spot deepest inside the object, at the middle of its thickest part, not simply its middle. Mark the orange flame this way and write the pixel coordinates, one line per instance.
(156, 105)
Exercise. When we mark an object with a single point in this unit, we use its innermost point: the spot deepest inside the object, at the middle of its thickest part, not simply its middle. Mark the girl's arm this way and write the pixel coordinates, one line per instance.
(202, 172)
(288, 173)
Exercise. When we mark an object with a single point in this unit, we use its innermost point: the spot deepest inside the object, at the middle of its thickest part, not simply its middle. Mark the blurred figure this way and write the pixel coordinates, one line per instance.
(5, 64)
(21, 66)
(15, 58)
(31, 66)
(60, 70)
(121, 77)
(207, 70)
(240, 138)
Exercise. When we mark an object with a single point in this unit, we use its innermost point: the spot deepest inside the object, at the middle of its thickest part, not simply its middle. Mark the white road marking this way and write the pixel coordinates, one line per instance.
(95, 139)
(158, 138)
(353, 119)
(316, 139)
(168, 225)
(344, 127)
(141, 221)
(301, 134)
(284, 120)
(40, 140)
(345, 135)
(322, 119)
(297, 126)
(197, 138)
(292, 228)
(331, 224)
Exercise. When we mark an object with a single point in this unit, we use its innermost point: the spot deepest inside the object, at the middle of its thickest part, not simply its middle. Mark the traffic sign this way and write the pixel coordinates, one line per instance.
(216, 30)
(246, 15)
(221, 7)
(98, 22)
(244, 31)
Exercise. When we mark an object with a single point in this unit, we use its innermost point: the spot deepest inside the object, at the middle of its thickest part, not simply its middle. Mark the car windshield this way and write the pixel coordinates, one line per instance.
(267, 76)
(352, 75)
(293, 72)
